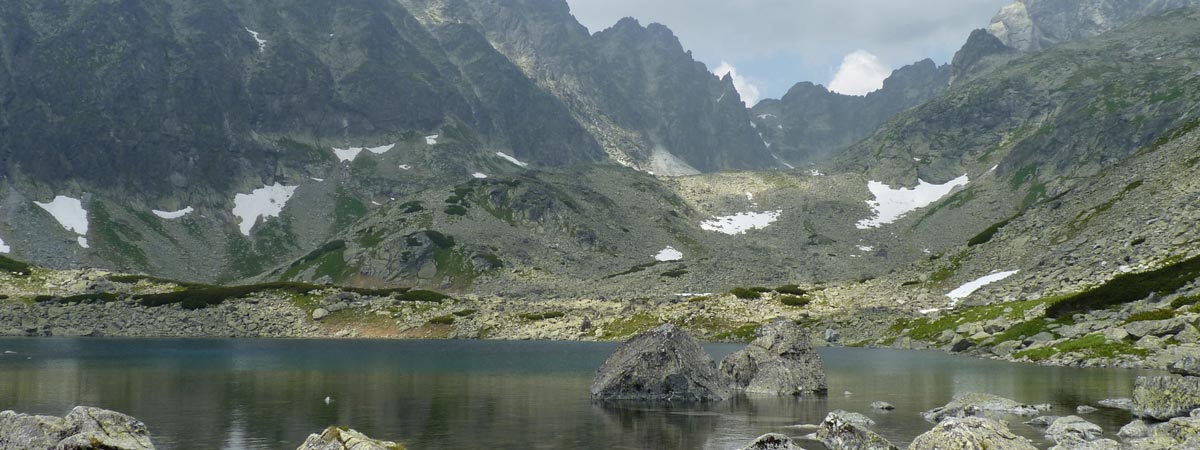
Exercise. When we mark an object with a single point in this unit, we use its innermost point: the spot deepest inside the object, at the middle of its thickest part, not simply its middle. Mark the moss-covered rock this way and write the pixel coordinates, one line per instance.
(1165, 397)
(971, 433)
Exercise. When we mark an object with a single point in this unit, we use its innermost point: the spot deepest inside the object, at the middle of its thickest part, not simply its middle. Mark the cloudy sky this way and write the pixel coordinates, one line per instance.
(769, 45)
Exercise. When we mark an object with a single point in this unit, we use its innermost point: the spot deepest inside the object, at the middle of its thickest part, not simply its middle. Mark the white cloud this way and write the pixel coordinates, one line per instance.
(747, 89)
(861, 73)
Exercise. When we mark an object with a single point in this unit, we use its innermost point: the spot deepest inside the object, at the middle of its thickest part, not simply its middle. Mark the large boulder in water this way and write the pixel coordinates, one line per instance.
(847, 431)
(84, 428)
(970, 433)
(773, 441)
(978, 404)
(661, 364)
(1165, 397)
(780, 361)
(334, 438)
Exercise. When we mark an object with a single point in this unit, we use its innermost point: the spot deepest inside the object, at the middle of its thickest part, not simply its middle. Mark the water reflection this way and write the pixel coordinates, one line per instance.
(440, 395)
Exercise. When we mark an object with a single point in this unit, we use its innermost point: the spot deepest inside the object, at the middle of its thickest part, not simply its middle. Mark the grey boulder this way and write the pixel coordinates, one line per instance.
(1073, 430)
(84, 428)
(663, 364)
(1187, 365)
(979, 404)
(772, 441)
(335, 438)
(780, 361)
(970, 433)
(843, 431)
(1165, 397)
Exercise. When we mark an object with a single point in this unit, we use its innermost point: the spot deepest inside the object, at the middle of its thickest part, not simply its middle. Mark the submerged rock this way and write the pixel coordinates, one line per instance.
(83, 428)
(772, 441)
(979, 404)
(845, 431)
(661, 364)
(334, 438)
(882, 406)
(780, 361)
(1165, 397)
(970, 433)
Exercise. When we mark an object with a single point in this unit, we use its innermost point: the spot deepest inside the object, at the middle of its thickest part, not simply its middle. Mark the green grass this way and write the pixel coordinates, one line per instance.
(1090, 346)
(422, 296)
(745, 293)
(15, 267)
(1158, 314)
(1129, 288)
(1022, 331)
(465, 313)
(1185, 301)
(924, 329)
(455, 210)
(744, 333)
(986, 235)
(99, 297)
(790, 289)
(442, 320)
(625, 327)
(795, 300)
(541, 316)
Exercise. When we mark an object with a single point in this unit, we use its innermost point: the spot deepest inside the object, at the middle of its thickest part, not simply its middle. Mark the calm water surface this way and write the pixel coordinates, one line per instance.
(266, 394)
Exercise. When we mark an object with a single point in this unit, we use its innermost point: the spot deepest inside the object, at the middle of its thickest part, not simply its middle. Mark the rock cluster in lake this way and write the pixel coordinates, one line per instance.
(780, 361)
(337, 438)
(84, 428)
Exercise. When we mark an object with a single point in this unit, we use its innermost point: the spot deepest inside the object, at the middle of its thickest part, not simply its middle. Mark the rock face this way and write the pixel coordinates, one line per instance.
(1034, 24)
(661, 364)
(334, 438)
(978, 404)
(843, 431)
(781, 361)
(970, 433)
(772, 441)
(84, 428)
(1165, 397)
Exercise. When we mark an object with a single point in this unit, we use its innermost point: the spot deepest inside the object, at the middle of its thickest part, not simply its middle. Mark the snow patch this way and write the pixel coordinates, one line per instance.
(668, 254)
(511, 159)
(405, 167)
(317, 179)
(172, 214)
(432, 140)
(4, 248)
(741, 222)
(929, 311)
(892, 204)
(479, 175)
(816, 173)
(789, 166)
(381, 149)
(866, 248)
(68, 212)
(350, 153)
(764, 140)
(262, 43)
(970, 288)
(82, 242)
(693, 294)
(267, 201)
(765, 116)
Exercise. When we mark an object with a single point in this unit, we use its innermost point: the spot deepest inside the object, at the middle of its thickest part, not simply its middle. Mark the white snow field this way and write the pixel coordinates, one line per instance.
(970, 288)
(479, 175)
(432, 140)
(511, 159)
(4, 248)
(350, 153)
(741, 222)
(169, 215)
(668, 254)
(892, 204)
(262, 43)
(68, 212)
(267, 201)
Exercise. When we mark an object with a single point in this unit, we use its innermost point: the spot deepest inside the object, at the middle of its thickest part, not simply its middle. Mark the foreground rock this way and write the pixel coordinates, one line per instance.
(772, 441)
(978, 404)
(970, 433)
(661, 364)
(334, 438)
(1165, 397)
(780, 361)
(842, 431)
(84, 428)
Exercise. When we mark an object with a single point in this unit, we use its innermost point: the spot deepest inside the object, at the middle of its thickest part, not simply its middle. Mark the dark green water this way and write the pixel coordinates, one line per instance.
(263, 394)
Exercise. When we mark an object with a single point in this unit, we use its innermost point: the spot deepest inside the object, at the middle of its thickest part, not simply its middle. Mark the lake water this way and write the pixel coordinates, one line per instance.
(270, 394)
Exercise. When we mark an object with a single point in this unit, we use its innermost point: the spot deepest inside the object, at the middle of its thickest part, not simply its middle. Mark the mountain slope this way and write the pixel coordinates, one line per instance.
(1030, 25)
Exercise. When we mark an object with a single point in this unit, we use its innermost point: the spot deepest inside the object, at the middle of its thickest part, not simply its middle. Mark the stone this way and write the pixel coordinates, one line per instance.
(961, 345)
(320, 313)
(1117, 403)
(334, 438)
(832, 335)
(1073, 429)
(84, 428)
(970, 433)
(1165, 397)
(1040, 337)
(839, 431)
(1085, 409)
(1099, 444)
(1115, 334)
(1156, 328)
(1043, 421)
(1187, 365)
(772, 441)
(882, 406)
(780, 361)
(854, 418)
(661, 364)
(975, 404)
(1135, 429)
(1189, 335)
(1150, 343)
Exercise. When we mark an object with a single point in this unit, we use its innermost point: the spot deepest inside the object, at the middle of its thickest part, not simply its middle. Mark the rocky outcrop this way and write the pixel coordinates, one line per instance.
(1035, 24)
(978, 404)
(780, 361)
(661, 364)
(335, 438)
(971, 433)
(842, 431)
(772, 441)
(84, 428)
(1165, 397)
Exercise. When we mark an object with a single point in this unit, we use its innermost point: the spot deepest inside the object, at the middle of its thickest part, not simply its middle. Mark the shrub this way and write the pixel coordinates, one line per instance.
(676, 273)
(1129, 288)
(542, 316)
(1185, 301)
(745, 294)
(456, 210)
(465, 313)
(98, 297)
(1158, 314)
(1137, 242)
(986, 235)
(790, 289)
(15, 267)
(422, 296)
(760, 289)
(795, 300)
(442, 320)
